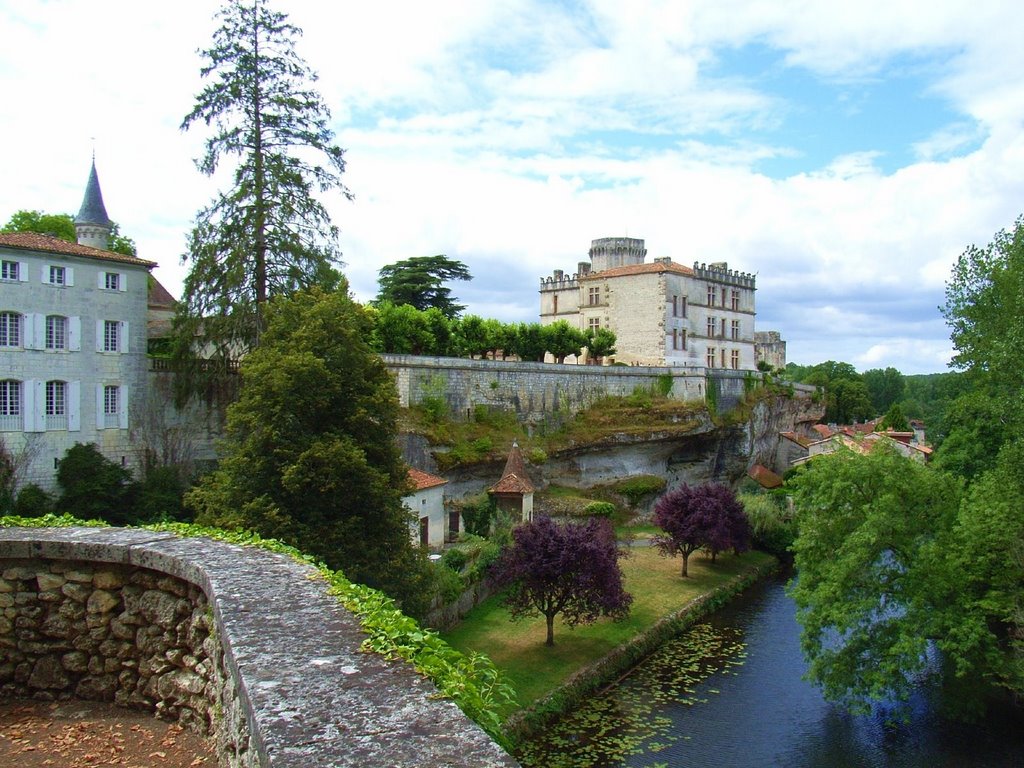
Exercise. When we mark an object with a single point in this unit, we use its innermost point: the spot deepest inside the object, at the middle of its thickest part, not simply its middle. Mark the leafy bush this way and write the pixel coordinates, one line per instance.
(664, 385)
(33, 501)
(636, 488)
(160, 496)
(476, 519)
(450, 585)
(771, 522)
(537, 456)
(455, 559)
(600, 509)
(95, 487)
(641, 397)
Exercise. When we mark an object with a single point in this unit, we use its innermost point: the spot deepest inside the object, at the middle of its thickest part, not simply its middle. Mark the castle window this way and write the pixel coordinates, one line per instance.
(711, 295)
(594, 323)
(735, 329)
(10, 405)
(554, 303)
(723, 357)
(711, 327)
(735, 359)
(675, 306)
(710, 358)
(736, 300)
(10, 329)
(56, 332)
(594, 296)
(56, 405)
(682, 312)
(682, 339)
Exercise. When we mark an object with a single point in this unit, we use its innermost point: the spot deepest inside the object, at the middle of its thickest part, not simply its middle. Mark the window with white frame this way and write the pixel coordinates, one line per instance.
(111, 335)
(56, 332)
(58, 275)
(10, 405)
(112, 281)
(56, 405)
(710, 357)
(9, 270)
(10, 329)
(111, 405)
(735, 358)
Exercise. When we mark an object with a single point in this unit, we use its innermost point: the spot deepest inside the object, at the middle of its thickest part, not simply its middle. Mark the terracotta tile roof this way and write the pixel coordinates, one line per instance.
(514, 479)
(640, 269)
(800, 440)
(423, 480)
(823, 429)
(160, 297)
(31, 241)
(764, 477)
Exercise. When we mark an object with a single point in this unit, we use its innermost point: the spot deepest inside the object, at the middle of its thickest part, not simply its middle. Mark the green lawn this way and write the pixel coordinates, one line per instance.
(534, 669)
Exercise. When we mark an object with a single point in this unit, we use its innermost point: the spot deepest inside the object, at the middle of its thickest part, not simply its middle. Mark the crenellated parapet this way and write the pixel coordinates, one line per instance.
(559, 281)
(719, 272)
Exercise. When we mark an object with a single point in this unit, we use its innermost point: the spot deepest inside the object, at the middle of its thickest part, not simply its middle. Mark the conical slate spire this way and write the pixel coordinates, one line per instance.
(93, 211)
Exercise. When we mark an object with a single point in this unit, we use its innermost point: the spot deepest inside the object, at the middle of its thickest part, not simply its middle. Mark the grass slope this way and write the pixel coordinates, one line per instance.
(534, 669)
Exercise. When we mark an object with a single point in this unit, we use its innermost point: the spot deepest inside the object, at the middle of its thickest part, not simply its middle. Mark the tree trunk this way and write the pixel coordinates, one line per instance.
(551, 630)
(686, 557)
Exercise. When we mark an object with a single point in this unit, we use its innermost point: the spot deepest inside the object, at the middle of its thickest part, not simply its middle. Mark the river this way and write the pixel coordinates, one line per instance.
(730, 693)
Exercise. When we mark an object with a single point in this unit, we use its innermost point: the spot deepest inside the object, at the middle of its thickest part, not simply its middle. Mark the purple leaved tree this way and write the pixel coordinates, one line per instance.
(700, 516)
(570, 569)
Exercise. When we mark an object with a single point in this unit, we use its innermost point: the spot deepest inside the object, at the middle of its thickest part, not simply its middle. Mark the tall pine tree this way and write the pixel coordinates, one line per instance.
(267, 234)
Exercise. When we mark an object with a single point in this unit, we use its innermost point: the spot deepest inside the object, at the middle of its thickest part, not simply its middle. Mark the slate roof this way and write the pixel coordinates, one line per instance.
(32, 241)
(93, 211)
(655, 267)
(514, 479)
(423, 480)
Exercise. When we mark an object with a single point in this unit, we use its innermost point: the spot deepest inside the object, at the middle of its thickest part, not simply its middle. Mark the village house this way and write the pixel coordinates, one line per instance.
(73, 335)
(662, 313)
(426, 502)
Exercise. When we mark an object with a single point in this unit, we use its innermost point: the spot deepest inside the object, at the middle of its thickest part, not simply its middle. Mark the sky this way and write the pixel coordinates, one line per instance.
(844, 153)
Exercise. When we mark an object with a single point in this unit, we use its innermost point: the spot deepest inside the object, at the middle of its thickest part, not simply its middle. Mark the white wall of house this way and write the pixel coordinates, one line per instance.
(427, 503)
(69, 312)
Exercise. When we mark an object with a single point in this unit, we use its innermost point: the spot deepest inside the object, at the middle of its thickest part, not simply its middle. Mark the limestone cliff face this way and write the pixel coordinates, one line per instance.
(706, 453)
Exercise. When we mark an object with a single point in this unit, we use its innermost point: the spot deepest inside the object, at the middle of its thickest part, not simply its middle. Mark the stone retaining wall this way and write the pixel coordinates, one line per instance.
(236, 641)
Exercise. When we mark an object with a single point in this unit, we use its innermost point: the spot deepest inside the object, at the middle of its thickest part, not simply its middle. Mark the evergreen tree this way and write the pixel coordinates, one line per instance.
(267, 234)
(419, 281)
(311, 456)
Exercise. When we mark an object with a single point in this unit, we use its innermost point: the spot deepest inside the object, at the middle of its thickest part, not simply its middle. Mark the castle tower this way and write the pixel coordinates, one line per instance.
(92, 225)
(608, 252)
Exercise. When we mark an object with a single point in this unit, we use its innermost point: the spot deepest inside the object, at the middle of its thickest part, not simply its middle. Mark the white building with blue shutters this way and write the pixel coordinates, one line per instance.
(72, 343)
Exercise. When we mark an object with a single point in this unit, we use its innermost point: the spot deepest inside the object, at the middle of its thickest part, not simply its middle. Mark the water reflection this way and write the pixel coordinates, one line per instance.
(730, 694)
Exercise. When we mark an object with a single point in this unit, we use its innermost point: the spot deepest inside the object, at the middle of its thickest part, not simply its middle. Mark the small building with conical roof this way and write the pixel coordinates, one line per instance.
(513, 493)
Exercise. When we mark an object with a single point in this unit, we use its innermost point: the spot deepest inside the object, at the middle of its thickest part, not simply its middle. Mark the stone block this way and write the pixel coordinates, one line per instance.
(47, 673)
(102, 601)
(75, 661)
(107, 580)
(49, 582)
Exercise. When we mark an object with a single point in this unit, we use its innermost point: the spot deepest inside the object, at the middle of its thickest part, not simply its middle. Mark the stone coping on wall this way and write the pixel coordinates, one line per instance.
(311, 697)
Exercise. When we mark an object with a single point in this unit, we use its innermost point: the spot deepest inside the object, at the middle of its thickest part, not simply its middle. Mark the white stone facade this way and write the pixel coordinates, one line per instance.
(662, 313)
(73, 360)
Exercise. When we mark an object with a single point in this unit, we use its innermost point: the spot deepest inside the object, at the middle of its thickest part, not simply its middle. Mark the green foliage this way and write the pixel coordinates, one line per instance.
(419, 282)
(470, 336)
(33, 501)
(476, 519)
(868, 552)
(663, 387)
(536, 456)
(599, 509)
(639, 487)
(601, 343)
(310, 456)
(92, 486)
(401, 329)
(773, 525)
(529, 342)
(977, 428)
(7, 480)
(895, 420)
(449, 584)
(61, 225)
(455, 559)
(562, 340)
(433, 401)
(161, 495)
(268, 234)
(711, 394)
(885, 388)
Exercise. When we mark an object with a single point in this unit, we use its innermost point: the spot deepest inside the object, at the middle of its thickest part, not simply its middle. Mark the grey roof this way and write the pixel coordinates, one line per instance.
(93, 210)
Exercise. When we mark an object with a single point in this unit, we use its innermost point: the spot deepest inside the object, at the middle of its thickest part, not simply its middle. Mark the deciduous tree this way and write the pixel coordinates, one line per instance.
(268, 234)
(62, 225)
(695, 517)
(562, 340)
(570, 569)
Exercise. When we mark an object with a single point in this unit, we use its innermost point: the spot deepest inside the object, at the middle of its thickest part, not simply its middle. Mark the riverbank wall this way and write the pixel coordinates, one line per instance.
(582, 684)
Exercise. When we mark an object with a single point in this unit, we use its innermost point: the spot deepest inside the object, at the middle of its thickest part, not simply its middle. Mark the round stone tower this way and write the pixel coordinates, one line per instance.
(608, 252)
(92, 225)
